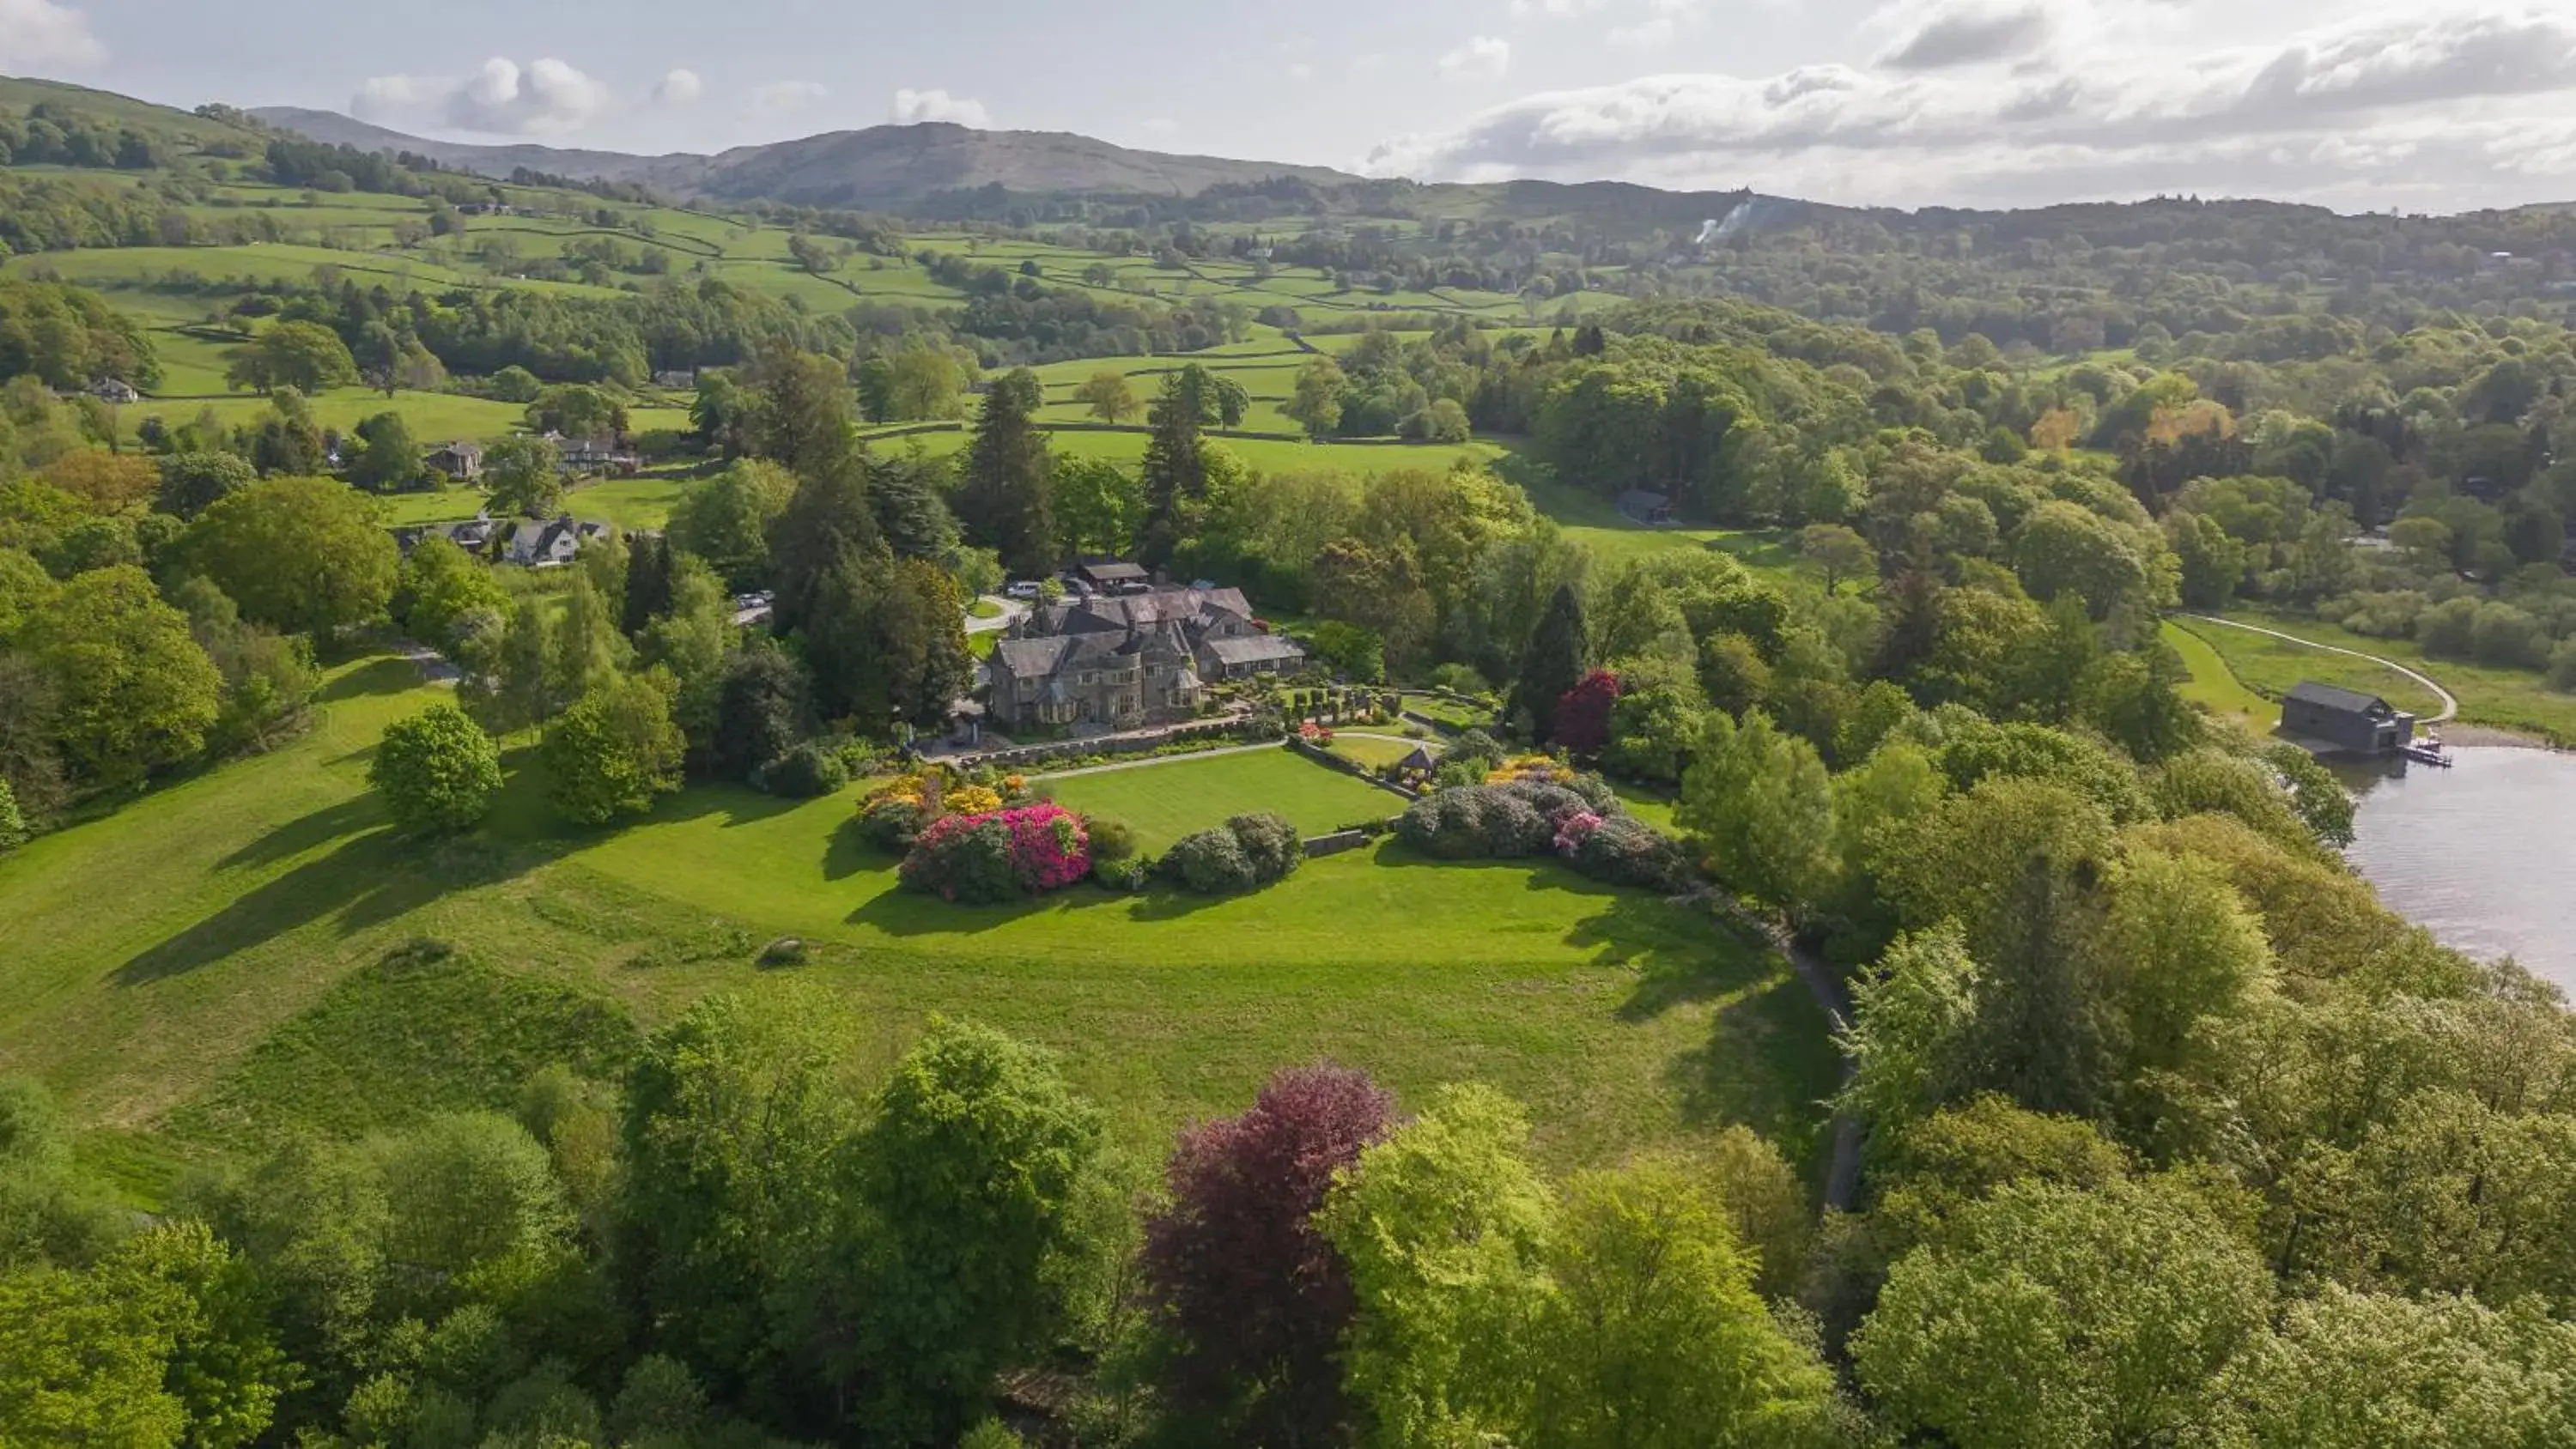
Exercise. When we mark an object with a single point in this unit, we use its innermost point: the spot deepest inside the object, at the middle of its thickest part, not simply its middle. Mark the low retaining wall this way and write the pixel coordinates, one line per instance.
(1337, 843)
(1220, 732)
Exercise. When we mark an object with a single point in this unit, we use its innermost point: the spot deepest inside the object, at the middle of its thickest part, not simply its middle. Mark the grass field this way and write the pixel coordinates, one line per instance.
(2214, 686)
(1165, 801)
(239, 985)
(2270, 667)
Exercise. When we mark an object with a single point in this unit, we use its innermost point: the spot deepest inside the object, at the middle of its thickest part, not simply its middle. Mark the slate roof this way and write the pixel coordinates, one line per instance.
(2347, 701)
(1254, 649)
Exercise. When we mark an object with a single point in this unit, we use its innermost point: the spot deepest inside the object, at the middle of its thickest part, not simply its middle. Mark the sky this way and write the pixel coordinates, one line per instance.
(2363, 105)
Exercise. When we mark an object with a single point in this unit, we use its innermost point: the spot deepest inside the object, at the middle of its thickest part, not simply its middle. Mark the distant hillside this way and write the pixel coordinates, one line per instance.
(332, 128)
(882, 167)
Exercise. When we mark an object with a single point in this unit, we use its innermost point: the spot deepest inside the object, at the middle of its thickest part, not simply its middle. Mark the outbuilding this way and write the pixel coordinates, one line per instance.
(2348, 720)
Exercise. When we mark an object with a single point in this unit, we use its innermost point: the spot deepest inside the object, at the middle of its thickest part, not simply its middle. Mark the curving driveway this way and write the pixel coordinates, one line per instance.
(1013, 611)
(2450, 704)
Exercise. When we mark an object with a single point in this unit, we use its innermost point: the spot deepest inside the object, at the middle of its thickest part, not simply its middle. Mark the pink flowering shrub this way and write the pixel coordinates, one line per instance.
(999, 854)
(1573, 830)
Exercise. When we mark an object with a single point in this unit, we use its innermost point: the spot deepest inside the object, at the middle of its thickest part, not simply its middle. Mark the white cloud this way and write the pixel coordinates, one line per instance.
(1160, 126)
(499, 99)
(2452, 102)
(678, 88)
(1939, 34)
(913, 107)
(1483, 57)
(1300, 70)
(40, 35)
(785, 97)
(1646, 34)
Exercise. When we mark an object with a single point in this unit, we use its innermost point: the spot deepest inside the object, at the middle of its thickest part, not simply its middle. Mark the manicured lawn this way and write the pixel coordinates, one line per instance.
(2215, 686)
(207, 968)
(1167, 801)
(1373, 751)
(1597, 523)
(1448, 711)
(629, 502)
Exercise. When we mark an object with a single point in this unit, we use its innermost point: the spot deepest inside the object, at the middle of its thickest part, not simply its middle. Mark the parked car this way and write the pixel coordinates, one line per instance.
(1023, 589)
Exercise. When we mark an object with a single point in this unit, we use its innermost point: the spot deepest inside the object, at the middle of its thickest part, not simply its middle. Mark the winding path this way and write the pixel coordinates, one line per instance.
(2450, 703)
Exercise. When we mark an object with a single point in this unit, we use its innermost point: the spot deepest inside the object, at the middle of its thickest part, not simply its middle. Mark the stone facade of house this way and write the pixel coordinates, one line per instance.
(1130, 660)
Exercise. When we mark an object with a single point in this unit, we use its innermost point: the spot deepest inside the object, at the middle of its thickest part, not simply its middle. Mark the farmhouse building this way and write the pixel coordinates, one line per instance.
(1129, 660)
(535, 545)
(114, 390)
(2361, 724)
(460, 461)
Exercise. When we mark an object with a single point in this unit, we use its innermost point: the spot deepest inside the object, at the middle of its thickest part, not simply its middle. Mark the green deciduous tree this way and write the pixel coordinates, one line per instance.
(1108, 396)
(1098, 505)
(437, 770)
(2057, 1316)
(391, 459)
(733, 1117)
(192, 482)
(306, 356)
(525, 475)
(439, 587)
(968, 1172)
(1760, 807)
(725, 520)
(1316, 405)
(1650, 1335)
(1444, 1226)
(614, 750)
(133, 691)
(306, 555)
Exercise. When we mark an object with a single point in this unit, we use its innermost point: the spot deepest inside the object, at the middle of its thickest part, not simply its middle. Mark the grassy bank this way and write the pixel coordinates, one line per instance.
(237, 986)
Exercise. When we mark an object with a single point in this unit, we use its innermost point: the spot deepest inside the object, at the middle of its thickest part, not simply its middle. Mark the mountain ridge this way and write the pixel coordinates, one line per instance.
(875, 166)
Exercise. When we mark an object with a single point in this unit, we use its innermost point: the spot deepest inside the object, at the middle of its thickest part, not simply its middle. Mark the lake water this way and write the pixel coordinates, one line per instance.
(2480, 854)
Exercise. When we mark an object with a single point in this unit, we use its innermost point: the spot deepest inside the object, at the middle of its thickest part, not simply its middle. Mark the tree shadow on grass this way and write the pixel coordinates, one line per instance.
(370, 879)
(330, 823)
(1769, 1063)
(910, 913)
(392, 674)
(850, 852)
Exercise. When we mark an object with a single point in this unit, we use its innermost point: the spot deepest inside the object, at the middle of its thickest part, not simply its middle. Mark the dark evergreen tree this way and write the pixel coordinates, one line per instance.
(826, 518)
(1554, 662)
(905, 494)
(807, 411)
(1175, 469)
(1006, 501)
(761, 710)
(648, 583)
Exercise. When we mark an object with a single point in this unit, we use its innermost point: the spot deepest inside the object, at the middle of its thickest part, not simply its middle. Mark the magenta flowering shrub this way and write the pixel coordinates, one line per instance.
(999, 854)
(1573, 830)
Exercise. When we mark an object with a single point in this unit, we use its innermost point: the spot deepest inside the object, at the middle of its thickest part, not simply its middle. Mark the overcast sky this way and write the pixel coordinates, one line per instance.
(2433, 105)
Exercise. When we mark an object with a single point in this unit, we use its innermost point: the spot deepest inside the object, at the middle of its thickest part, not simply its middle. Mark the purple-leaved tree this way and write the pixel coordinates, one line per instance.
(1258, 1297)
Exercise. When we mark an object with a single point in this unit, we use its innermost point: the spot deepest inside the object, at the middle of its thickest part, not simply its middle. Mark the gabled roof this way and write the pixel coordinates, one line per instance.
(1254, 649)
(2347, 701)
(1035, 658)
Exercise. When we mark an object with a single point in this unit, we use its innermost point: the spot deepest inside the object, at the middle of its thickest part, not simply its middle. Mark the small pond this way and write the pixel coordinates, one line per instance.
(2483, 854)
